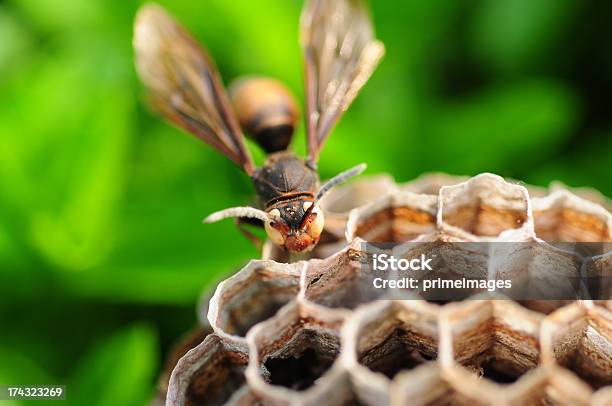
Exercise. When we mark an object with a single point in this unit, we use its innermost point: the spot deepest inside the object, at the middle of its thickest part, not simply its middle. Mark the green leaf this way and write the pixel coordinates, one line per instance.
(500, 127)
(54, 15)
(119, 371)
(19, 368)
(62, 163)
(586, 165)
(510, 35)
(20, 40)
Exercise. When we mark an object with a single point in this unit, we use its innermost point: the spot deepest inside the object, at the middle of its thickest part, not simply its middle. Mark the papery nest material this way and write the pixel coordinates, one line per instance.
(315, 333)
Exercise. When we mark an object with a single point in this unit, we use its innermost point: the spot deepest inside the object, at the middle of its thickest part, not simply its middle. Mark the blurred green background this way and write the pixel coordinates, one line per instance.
(102, 250)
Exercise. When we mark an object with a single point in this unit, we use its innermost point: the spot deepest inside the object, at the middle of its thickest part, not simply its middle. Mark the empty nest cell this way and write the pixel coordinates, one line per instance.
(565, 217)
(209, 374)
(579, 338)
(190, 340)
(254, 294)
(395, 218)
(343, 280)
(495, 339)
(385, 338)
(449, 261)
(396, 336)
(484, 206)
(292, 351)
(341, 200)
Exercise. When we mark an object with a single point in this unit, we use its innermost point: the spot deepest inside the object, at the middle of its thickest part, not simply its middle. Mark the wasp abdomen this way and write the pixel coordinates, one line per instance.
(267, 111)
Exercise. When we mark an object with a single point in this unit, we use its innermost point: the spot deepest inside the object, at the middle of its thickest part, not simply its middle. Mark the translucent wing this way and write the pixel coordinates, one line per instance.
(340, 55)
(184, 85)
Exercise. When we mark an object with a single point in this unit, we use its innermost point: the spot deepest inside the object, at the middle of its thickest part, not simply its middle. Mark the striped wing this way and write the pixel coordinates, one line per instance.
(340, 54)
(184, 85)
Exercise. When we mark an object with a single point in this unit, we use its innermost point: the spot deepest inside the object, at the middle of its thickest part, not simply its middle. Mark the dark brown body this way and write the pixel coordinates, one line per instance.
(285, 182)
(284, 174)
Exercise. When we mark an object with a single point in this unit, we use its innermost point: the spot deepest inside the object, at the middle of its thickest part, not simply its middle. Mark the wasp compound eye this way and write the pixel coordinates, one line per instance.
(315, 228)
(274, 234)
(273, 229)
(266, 110)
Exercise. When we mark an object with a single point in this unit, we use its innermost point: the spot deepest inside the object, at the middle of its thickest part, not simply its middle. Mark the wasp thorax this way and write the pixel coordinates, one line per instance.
(267, 111)
(294, 227)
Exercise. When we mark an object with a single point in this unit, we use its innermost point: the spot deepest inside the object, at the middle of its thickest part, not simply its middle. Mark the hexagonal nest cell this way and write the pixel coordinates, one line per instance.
(210, 374)
(564, 217)
(397, 336)
(397, 217)
(484, 206)
(342, 280)
(580, 339)
(315, 332)
(338, 203)
(254, 294)
(292, 353)
(495, 339)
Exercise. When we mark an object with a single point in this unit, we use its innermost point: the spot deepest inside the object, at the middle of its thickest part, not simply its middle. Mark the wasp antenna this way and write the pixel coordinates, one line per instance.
(340, 178)
(336, 180)
(249, 212)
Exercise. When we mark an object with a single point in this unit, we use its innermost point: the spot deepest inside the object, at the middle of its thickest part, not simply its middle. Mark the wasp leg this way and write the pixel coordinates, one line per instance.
(240, 224)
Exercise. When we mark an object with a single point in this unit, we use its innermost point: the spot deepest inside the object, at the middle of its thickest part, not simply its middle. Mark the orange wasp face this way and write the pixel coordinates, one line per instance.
(295, 225)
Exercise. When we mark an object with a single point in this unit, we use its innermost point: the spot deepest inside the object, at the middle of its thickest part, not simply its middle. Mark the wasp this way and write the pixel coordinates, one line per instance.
(184, 86)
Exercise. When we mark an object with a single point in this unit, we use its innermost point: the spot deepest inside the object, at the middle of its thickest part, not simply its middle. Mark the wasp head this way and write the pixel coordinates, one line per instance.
(295, 225)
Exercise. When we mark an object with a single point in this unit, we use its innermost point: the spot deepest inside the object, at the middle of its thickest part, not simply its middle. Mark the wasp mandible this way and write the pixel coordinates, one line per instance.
(184, 86)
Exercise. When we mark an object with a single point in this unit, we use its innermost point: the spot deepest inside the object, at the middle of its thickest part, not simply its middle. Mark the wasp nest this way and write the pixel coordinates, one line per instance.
(315, 332)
